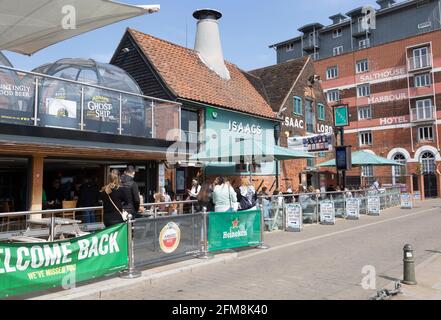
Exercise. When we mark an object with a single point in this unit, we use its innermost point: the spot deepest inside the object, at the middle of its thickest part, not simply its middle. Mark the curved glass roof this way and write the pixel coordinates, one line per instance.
(91, 72)
(4, 61)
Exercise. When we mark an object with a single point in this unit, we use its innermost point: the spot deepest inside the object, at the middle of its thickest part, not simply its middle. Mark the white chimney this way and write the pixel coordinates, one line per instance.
(208, 43)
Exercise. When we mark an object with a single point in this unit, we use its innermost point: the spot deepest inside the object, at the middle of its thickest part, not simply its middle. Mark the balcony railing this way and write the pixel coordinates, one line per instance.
(423, 114)
(420, 62)
(33, 99)
(311, 44)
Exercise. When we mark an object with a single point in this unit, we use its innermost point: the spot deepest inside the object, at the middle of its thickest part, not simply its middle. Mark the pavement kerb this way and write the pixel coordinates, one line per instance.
(99, 289)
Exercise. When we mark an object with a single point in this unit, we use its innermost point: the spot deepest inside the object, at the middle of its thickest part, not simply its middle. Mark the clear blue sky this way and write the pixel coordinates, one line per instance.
(248, 27)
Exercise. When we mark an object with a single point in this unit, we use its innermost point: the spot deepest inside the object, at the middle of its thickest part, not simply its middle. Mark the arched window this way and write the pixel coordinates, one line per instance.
(400, 171)
(428, 163)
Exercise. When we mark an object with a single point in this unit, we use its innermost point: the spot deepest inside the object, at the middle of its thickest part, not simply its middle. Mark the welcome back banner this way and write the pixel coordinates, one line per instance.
(26, 268)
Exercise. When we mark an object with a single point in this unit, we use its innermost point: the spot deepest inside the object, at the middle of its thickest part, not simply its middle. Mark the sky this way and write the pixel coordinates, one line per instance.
(248, 27)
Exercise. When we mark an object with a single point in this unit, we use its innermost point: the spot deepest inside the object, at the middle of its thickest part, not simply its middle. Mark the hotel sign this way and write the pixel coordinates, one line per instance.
(388, 98)
(382, 75)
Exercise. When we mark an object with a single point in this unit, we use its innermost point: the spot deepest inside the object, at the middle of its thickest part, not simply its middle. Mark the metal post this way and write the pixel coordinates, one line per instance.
(409, 266)
(283, 214)
(120, 114)
(204, 250)
(317, 210)
(262, 246)
(36, 103)
(52, 229)
(82, 109)
(131, 272)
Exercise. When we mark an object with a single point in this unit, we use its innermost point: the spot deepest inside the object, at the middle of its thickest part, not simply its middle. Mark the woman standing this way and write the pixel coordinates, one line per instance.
(113, 197)
(247, 196)
(224, 196)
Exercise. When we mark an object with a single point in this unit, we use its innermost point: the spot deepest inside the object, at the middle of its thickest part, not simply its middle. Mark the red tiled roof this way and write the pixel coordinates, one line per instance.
(189, 78)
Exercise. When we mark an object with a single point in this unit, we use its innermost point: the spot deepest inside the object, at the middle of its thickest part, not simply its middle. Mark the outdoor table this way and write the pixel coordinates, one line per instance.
(59, 222)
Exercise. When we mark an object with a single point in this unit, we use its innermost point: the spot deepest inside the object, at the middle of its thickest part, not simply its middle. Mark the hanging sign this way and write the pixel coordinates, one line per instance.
(374, 206)
(327, 213)
(353, 209)
(294, 218)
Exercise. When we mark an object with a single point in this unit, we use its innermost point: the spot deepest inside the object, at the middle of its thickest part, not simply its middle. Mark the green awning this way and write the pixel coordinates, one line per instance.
(363, 158)
(249, 151)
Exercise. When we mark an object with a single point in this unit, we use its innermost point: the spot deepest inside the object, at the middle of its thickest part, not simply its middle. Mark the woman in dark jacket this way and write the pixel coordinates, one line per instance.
(205, 198)
(113, 193)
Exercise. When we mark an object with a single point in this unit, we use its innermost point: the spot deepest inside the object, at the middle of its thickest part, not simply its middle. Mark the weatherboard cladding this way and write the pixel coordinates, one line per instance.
(184, 74)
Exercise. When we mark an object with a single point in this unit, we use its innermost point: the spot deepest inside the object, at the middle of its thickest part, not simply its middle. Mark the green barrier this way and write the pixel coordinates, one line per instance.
(229, 230)
(26, 268)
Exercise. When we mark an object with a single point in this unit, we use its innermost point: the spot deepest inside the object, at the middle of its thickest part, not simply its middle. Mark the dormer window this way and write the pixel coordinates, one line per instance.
(337, 33)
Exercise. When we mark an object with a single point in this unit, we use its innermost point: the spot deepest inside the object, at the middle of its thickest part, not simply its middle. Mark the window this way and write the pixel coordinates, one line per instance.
(399, 171)
(363, 90)
(190, 125)
(424, 109)
(332, 73)
(362, 66)
(364, 43)
(310, 163)
(333, 95)
(421, 58)
(367, 171)
(365, 138)
(309, 116)
(337, 33)
(290, 47)
(364, 113)
(321, 112)
(315, 56)
(428, 163)
(337, 51)
(423, 80)
(298, 108)
(425, 134)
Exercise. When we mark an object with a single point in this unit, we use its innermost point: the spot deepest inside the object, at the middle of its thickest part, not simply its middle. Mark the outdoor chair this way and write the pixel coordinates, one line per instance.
(69, 205)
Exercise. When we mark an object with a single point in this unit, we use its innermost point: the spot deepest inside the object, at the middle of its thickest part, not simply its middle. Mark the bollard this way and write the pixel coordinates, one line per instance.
(204, 254)
(409, 266)
(262, 246)
(131, 272)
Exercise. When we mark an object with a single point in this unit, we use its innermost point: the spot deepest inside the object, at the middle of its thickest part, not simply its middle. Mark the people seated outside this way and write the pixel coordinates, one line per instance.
(224, 196)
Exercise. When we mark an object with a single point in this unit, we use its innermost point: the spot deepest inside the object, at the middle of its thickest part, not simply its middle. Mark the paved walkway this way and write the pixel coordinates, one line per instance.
(321, 262)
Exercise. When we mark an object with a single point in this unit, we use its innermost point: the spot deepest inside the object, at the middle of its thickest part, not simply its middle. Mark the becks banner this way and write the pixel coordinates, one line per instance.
(26, 268)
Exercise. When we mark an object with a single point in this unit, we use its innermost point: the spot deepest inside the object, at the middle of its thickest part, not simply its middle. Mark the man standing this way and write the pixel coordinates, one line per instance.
(131, 188)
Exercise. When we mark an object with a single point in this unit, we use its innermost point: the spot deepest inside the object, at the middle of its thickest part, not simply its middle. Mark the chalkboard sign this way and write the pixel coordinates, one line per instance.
(294, 218)
(352, 209)
(327, 212)
(374, 206)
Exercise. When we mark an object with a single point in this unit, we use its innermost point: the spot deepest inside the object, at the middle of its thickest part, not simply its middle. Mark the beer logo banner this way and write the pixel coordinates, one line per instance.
(26, 268)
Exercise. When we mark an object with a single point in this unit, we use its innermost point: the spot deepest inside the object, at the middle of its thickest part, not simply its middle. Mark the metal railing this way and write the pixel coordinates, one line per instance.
(274, 207)
(28, 98)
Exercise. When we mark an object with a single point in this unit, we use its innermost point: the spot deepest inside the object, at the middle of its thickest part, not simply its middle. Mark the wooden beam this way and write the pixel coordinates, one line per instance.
(37, 168)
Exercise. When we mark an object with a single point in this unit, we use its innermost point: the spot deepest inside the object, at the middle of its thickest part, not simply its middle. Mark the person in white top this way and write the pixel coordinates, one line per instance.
(195, 189)
(224, 196)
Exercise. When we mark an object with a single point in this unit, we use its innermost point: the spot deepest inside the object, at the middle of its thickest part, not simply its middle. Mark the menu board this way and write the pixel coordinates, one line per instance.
(406, 201)
(374, 206)
(294, 218)
(352, 209)
(327, 212)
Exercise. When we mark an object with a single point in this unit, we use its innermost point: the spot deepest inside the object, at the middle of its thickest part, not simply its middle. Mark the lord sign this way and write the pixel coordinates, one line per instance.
(327, 212)
(229, 230)
(374, 206)
(26, 268)
(294, 219)
(353, 208)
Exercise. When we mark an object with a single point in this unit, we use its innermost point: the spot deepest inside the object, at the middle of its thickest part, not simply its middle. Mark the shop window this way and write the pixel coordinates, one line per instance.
(298, 108)
(428, 163)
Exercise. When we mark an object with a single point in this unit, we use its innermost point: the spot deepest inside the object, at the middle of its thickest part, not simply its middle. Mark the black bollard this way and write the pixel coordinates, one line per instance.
(409, 266)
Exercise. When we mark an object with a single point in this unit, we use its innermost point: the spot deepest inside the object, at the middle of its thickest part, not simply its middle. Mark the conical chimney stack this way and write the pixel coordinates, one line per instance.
(208, 42)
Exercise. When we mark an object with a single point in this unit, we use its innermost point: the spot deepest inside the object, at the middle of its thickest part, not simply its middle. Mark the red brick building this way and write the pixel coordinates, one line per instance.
(394, 93)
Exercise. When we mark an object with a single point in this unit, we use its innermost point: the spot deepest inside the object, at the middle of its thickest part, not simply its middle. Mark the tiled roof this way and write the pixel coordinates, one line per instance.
(186, 75)
(278, 80)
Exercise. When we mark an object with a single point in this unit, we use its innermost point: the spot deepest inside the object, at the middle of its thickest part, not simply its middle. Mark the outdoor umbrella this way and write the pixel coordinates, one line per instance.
(29, 26)
(363, 158)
